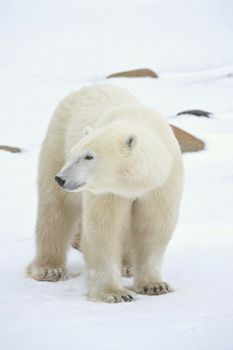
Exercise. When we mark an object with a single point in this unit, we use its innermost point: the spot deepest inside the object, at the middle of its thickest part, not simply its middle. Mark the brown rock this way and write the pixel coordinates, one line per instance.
(187, 141)
(10, 149)
(136, 73)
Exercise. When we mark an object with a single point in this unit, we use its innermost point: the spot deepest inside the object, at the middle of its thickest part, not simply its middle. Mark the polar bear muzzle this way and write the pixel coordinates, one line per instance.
(68, 185)
(60, 181)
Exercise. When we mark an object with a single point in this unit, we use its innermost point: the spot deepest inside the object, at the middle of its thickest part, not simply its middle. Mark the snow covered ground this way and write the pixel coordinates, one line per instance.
(49, 48)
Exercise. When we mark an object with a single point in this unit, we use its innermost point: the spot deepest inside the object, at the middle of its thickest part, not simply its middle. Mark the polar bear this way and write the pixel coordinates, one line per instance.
(113, 167)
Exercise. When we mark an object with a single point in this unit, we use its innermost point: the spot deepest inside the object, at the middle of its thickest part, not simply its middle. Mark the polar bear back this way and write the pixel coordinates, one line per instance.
(91, 104)
(96, 106)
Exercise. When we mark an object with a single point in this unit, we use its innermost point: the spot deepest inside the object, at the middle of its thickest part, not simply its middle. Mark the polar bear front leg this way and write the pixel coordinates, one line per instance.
(103, 224)
(154, 219)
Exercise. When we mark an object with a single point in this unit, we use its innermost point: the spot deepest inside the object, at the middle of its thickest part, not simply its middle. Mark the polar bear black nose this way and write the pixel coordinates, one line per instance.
(60, 181)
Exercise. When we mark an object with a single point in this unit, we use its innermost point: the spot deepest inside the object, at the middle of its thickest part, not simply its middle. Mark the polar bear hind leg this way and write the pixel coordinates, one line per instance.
(53, 233)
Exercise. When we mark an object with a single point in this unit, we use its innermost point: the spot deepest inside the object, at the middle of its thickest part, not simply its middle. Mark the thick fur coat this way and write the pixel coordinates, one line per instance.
(113, 168)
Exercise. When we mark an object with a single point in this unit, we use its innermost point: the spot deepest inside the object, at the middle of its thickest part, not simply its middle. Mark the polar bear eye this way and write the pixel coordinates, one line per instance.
(88, 157)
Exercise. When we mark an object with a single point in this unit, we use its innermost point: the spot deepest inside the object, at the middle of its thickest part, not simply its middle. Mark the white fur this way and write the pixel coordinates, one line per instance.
(123, 176)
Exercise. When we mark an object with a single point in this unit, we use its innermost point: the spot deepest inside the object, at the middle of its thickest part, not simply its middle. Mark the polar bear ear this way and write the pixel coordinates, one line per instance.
(87, 130)
(131, 141)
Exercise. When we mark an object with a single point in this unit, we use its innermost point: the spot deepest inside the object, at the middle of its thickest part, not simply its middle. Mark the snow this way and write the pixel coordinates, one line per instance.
(49, 48)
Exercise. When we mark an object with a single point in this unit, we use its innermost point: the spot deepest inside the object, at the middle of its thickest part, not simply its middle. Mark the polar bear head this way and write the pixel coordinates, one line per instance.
(121, 158)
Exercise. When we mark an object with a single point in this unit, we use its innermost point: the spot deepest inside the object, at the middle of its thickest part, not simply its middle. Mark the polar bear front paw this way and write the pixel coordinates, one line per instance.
(47, 273)
(117, 296)
(154, 288)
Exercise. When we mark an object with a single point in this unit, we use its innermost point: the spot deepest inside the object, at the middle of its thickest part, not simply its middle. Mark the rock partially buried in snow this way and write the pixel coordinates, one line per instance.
(10, 149)
(197, 113)
(136, 73)
(187, 141)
